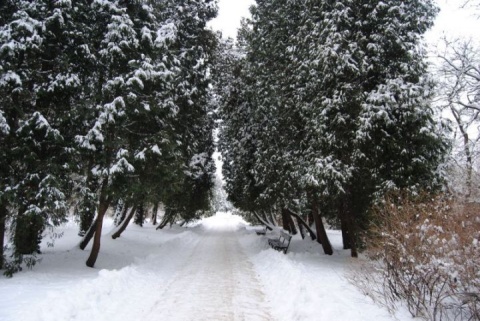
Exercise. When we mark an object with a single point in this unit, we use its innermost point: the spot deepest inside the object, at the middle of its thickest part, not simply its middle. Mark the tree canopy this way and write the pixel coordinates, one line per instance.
(330, 108)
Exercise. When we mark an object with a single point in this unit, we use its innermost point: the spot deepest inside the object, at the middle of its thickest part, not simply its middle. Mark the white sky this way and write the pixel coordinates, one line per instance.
(452, 20)
(229, 15)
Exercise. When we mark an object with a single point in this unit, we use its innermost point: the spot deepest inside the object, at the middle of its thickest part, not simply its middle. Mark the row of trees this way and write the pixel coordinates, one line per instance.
(325, 107)
(102, 102)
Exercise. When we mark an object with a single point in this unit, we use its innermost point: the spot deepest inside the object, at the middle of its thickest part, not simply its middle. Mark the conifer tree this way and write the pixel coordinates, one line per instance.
(101, 101)
(37, 86)
(338, 108)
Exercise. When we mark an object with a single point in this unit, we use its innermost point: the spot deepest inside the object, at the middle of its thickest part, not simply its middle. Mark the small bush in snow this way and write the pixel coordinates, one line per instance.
(426, 253)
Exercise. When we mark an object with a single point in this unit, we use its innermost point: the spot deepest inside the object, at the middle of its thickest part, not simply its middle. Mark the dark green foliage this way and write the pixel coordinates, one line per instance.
(28, 233)
(101, 101)
(331, 99)
(140, 215)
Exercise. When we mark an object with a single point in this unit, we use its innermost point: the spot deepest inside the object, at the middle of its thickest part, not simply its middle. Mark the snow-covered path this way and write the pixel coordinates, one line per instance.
(217, 270)
(220, 278)
(200, 273)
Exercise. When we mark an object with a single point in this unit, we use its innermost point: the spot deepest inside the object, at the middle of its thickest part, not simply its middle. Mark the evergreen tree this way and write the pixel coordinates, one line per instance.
(334, 105)
(37, 87)
(193, 123)
(153, 98)
(101, 101)
(140, 215)
(230, 83)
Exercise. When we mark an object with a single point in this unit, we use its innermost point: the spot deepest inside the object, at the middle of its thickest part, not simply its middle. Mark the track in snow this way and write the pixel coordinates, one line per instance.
(216, 282)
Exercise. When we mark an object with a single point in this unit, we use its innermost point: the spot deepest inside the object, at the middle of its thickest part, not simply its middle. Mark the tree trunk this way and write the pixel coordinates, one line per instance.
(140, 214)
(313, 235)
(166, 218)
(301, 228)
(123, 225)
(321, 232)
(3, 218)
(310, 219)
(154, 214)
(171, 221)
(263, 221)
(272, 218)
(266, 218)
(351, 236)
(285, 222)
(288, 222)
(89, 235)
(467, 150)
(293, 228)
(345, 235)
(102, 209)
(348, 222)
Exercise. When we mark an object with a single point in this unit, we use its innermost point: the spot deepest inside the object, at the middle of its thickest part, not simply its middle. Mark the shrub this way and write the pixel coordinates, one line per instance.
(424, 251)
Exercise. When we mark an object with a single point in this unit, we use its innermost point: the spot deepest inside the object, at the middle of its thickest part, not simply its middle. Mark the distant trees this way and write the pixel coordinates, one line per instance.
(102, 101)
(328, 109)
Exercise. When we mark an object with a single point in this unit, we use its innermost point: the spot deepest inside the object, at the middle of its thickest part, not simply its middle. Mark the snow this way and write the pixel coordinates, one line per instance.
(10, 77)
(156, 149)
(121, 166)
(217, 269)
(4, 128)
(165, 33)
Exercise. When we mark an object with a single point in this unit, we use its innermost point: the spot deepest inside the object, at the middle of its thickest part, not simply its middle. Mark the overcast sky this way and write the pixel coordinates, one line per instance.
(229, 14)
(454, 21)
(451, 20)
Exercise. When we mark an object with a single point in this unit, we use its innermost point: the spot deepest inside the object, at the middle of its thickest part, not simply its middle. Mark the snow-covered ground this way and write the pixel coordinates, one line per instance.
(218, 269)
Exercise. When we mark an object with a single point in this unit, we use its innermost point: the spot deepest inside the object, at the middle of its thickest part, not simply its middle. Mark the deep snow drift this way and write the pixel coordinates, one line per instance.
(218, 269)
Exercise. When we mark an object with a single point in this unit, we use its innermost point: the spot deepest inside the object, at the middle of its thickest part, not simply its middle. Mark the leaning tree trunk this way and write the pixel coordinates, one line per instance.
(123, 225)
(263, 221)
(102, 209)
(89, 235)
(301, 228)
(265, 218)
(301, 222)
(293, 228)
(273, 220)
(154, 213)
(288, 222)
(166, 218)
(3, 218)
(321, 232)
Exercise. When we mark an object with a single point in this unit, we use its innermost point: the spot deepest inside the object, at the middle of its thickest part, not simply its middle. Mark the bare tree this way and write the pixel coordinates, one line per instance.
(472, 5)
(458, 74)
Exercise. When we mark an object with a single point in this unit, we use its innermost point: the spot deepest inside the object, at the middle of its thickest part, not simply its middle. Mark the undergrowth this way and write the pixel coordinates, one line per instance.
(424, 252)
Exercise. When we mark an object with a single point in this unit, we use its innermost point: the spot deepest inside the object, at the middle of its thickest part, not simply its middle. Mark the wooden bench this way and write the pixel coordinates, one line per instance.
(262, 231)
(282, 243)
